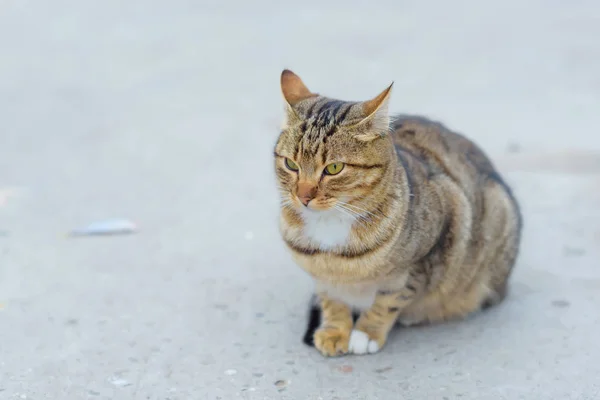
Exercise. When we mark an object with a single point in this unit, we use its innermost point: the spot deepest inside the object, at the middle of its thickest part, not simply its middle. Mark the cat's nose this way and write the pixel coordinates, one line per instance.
(305, 200)
(306, 192)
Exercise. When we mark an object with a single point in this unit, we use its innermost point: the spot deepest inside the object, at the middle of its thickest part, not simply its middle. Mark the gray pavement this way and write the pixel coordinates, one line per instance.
(166, 113)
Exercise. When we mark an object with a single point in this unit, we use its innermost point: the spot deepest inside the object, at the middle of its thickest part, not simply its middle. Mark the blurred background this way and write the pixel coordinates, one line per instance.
(165, 113)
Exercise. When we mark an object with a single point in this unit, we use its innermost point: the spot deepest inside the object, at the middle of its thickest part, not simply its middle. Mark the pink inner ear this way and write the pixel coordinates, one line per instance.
(294, 90)
(370, 106)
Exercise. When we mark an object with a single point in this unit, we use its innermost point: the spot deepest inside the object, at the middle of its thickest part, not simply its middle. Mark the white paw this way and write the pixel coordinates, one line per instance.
(361, 344)
(373, 347)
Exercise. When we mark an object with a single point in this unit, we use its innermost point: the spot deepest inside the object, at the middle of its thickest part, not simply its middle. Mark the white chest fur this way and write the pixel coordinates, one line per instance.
(358, 296)
(327, 229)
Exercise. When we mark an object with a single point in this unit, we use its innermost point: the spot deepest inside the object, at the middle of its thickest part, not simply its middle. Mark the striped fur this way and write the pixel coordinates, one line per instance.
(418, 226)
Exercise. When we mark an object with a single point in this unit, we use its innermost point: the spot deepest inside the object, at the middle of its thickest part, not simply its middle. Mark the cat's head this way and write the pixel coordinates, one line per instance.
(330, 152)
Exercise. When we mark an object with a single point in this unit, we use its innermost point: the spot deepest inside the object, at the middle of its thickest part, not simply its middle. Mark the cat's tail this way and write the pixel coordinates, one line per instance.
(314, 320)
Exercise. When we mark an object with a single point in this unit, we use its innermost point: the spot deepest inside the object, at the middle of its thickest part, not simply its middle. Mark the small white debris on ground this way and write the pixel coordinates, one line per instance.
(114, 226)
(119, 382)
(6, 193)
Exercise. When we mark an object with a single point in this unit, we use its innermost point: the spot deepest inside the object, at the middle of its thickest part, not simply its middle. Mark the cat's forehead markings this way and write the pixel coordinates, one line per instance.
(344, 113)
(327, 112)
(320, 120)
(311, 108)
(313, 144)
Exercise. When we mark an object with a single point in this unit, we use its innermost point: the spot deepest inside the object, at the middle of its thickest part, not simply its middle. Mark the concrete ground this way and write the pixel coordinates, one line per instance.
(165, 112)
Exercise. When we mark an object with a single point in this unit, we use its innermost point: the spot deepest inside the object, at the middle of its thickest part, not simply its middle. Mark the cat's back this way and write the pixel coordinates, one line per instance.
(485, 218)
(439, 150)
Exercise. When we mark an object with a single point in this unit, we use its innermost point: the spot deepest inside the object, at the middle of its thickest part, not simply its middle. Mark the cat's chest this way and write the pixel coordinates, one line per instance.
(326, 229)
(358, 296)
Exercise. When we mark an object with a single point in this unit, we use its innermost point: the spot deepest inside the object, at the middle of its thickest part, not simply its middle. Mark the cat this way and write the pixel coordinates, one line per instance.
(397, 219)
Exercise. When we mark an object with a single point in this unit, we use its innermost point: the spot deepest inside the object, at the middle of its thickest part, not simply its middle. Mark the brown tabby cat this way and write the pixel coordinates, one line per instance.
(399, 220)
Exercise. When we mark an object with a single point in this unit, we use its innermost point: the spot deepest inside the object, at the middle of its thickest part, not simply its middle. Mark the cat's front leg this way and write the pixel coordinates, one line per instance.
(373, 326)
(333, 336)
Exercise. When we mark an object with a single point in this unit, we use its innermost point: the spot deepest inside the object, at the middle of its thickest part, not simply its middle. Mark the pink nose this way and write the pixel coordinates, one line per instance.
(306, 192)
(305, 200)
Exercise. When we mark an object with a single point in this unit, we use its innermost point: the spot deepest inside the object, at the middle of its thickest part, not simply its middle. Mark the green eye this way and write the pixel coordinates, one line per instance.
(291, 165)
(334, 169)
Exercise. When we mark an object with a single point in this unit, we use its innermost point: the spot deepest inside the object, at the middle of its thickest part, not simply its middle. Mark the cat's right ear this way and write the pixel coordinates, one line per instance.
(293, 89)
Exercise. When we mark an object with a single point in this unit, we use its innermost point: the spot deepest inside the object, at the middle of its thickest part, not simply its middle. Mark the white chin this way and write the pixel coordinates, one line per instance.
(326, 229)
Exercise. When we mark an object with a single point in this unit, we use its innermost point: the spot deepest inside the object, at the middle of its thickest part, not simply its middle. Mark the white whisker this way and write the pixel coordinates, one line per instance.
(342, 210)
(351, 213)
(354, 206)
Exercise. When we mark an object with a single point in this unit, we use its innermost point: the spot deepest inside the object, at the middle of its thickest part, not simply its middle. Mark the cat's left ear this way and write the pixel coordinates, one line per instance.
(376, 116)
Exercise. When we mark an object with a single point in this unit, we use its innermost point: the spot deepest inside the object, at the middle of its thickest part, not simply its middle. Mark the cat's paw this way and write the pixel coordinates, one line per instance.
(360, 343)
(332, 341)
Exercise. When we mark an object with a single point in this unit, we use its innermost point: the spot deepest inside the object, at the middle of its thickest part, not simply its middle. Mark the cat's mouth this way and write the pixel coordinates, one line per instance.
(314, 205)
(317, 205)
